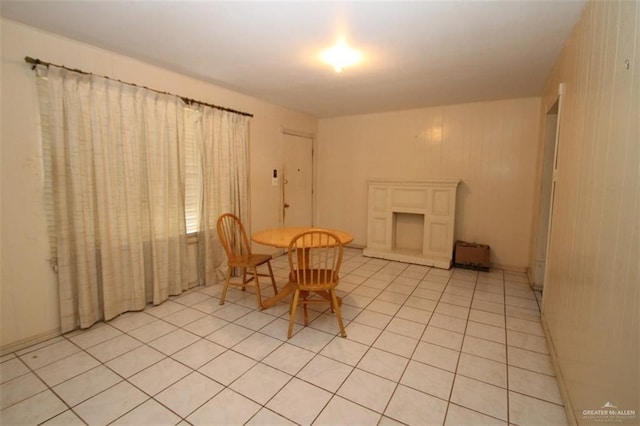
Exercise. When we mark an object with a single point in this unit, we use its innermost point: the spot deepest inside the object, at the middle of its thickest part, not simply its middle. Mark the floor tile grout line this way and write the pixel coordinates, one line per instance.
(355, 367)
(281, 342)
(47, 388)
(293, 376)
(127, 380)
(316, 354)
(420, 339)
(54, 392)
(334, 393)
(457, 404)
(506, 348)
(169, 355)
(227, 349)
(455, 373)
(165, 354)
(33, 371)
(398, 383)
(538, 398)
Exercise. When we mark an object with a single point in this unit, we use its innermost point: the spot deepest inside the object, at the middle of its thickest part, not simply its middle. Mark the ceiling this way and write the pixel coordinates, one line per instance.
(416, 53)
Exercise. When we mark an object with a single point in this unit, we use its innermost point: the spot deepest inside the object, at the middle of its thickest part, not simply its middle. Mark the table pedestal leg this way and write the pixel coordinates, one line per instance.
(284, 292)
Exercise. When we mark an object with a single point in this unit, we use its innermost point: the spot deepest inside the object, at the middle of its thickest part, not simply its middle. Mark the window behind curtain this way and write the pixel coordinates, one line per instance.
(193, 170)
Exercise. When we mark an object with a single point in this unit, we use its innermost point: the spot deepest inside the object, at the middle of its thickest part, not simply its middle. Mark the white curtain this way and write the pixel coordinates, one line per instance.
(225, 160)
(115, 158)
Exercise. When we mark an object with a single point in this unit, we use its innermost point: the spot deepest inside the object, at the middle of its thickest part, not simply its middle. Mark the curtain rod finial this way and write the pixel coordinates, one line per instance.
(34, 62)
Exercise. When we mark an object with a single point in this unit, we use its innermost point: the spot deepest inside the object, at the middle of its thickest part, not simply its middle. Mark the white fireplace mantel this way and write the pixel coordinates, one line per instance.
(412, 220)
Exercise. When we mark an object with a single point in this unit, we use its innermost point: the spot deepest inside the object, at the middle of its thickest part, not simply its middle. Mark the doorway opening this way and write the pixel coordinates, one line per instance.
(547, 191)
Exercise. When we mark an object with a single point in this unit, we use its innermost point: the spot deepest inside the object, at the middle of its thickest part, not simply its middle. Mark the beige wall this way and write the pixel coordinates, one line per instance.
(28, 292)
(490, 146)
(592, 292)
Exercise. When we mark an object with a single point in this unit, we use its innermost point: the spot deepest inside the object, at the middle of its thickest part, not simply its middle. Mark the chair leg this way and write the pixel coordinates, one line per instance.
(244, 279)
(226, 285)
(336, 307)
(292, 312)
(255, 277)
(304, 309)
(273, 280)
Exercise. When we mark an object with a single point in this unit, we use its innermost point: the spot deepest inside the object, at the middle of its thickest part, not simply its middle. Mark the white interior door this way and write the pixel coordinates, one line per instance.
(297, 180)
(546, 191)
(550, 177)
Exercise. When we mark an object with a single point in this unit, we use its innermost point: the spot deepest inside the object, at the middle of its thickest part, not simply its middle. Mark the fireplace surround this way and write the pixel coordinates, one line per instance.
(412, 220)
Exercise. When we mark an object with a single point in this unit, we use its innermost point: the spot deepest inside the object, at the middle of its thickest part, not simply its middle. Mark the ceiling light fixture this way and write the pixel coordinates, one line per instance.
(340, 56)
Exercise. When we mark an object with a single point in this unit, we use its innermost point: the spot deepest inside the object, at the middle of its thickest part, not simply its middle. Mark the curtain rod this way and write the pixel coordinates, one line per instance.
(188, 101)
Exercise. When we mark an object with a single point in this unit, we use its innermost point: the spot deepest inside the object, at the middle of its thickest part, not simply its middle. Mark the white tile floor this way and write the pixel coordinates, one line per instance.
(424, 346)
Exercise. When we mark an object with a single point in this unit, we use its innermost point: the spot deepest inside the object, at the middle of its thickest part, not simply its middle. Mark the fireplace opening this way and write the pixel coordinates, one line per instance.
(408, 232)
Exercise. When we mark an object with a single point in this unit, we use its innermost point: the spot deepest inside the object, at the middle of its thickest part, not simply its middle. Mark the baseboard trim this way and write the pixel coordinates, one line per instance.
(356, 246)
(24, 343)
(529, 275)
(537, 287)
(564, 392)
(510, 268)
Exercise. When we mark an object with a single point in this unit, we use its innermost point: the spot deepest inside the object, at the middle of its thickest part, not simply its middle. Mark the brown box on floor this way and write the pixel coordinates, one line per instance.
(471, 256)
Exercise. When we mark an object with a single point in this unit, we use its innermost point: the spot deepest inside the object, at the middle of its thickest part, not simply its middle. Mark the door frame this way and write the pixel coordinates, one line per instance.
(292, 132)
(554, 180)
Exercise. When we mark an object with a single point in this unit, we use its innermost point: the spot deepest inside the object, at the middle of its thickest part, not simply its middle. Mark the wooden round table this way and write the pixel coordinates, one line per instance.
(281, 237)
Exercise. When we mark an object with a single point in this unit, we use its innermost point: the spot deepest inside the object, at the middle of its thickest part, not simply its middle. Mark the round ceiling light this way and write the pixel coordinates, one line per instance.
(341, 56)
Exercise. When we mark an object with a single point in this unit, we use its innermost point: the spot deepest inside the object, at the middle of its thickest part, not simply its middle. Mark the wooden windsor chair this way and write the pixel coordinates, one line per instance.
(239, 255)
(315, 258)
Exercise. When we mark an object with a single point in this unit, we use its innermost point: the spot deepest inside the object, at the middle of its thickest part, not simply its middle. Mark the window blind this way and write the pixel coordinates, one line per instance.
(193, 171)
